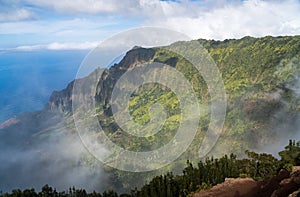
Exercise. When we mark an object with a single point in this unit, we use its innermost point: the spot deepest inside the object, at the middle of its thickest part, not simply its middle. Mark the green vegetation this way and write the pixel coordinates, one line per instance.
(261, 78)
(204, 175)
(291, 154)
(258, 75)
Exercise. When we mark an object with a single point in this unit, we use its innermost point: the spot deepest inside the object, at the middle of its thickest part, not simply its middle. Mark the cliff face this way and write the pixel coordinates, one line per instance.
(61, 101)
(110, 77)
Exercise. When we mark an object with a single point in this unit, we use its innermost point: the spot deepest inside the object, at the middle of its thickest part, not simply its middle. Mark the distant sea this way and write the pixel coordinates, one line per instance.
(27, 78)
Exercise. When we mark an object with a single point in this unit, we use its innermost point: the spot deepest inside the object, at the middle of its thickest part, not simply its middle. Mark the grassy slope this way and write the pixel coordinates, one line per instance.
(255, 73)
(259, 75)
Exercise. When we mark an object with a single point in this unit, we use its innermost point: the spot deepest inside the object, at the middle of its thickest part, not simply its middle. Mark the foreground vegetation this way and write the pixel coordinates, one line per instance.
(204, 175)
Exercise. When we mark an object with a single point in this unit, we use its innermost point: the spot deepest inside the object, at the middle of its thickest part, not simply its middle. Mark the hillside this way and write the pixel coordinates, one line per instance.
(261, 79)
(261, 84)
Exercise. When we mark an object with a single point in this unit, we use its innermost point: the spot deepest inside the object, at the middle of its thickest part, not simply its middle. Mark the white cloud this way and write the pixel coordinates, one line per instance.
(128, 7)
(53, 26)
(58, 30)
(218, 19)
(16, 15)
(232, 20)
(74, 46)
(56, 46)
(71, 6)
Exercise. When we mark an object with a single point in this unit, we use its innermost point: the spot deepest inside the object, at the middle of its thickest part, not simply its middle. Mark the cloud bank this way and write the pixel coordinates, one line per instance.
(32, 157)
(198, 19)
(56, 46)
(86, 21)
(125, 7)
(233, 20)
(16, 15)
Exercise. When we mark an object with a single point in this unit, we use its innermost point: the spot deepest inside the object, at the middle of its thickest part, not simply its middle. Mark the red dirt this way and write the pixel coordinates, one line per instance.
(282, 185)
(8, 123)
(231, 188)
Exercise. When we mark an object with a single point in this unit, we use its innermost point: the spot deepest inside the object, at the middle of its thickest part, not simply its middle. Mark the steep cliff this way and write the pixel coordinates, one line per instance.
(61, 101)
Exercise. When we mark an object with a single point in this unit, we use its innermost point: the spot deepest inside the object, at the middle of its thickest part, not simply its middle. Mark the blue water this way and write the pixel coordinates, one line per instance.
(27, 79)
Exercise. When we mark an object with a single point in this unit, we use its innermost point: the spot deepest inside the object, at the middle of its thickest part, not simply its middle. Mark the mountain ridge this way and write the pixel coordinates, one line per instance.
(261, 82)
(251, 90)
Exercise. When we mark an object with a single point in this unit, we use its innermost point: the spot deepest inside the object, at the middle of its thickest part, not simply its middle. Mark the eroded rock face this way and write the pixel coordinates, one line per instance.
(295, 168)
(267, 188)
(289, 186)
(61, 101)
(285, 184)
(295, 194)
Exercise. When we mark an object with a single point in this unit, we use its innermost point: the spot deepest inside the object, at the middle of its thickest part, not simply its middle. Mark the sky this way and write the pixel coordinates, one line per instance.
(83, 24)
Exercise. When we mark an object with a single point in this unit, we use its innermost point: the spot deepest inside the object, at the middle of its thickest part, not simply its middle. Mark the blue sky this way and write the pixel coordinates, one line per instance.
(82, 24)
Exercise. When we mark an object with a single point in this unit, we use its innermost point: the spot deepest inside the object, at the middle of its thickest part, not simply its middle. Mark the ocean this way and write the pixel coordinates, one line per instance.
(27, 78)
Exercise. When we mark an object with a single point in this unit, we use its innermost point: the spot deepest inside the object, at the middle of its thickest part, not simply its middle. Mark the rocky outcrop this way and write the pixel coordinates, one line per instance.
(61, 101)
(285, 184)
(245, 187)
(295, 194)
(288, 186)
(268, 187)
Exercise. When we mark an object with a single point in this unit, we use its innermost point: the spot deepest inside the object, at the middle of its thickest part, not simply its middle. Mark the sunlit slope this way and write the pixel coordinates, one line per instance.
(260, 76)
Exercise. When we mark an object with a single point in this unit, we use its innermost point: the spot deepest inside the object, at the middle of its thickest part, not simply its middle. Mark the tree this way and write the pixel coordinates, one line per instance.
(110, 193)
(291, 153)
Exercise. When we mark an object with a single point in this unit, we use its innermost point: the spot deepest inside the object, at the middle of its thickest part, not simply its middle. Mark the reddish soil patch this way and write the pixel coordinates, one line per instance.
(282, 185)
(8, 123)
(231, 188)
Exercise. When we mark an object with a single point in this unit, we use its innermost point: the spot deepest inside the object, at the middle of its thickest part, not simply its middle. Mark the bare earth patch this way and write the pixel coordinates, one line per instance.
(231, 188)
